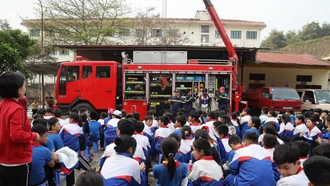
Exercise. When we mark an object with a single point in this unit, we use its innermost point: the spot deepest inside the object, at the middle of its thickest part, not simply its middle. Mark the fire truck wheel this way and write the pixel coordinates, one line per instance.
(84, 106)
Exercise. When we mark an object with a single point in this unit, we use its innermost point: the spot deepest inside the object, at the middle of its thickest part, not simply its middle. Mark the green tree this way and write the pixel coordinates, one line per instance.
(292, 37)
(15, 48)
(311, 31)
(325, 30)
(79, 22)
(275, 40)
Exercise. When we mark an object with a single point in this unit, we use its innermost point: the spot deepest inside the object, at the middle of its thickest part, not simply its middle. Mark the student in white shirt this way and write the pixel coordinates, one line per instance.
(286, 157)
(317, 170)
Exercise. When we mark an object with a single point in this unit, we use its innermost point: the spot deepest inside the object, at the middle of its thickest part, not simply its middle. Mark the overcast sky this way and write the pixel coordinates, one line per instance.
(280, 14)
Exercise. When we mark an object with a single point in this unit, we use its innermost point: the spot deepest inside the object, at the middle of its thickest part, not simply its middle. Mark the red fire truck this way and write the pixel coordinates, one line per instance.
(147, 82)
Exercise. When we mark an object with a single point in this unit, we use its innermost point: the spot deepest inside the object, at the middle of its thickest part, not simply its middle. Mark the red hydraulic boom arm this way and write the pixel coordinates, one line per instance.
(232, 55)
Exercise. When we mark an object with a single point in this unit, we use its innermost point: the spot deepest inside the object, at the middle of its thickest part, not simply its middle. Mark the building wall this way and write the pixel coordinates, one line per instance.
(281, 77)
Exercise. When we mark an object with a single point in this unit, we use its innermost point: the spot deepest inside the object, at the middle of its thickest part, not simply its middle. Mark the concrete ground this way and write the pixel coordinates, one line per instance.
(95, 163)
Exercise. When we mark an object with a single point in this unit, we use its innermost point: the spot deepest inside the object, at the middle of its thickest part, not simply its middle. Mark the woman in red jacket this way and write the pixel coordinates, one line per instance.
(15, 132)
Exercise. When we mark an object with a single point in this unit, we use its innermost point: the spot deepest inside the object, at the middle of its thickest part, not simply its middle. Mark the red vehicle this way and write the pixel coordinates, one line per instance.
(278, 99)
(99, 85)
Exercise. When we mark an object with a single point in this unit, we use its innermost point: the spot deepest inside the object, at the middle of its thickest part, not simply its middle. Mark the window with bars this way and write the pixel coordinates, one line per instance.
(217, 35)
(236, 34)
(205, 29)
(34, 32)
(251, 35)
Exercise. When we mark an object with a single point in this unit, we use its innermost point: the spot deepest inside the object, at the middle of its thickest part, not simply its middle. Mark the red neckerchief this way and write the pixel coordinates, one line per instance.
(225, 137)
(195, 124)
(35, 144)
(240, 147)
(299, 170)
(300, 123)
(207, 158)
(188, 138)
(164, 127)
(51, 132)
(303, 158)
(137, 133)
(310, 129)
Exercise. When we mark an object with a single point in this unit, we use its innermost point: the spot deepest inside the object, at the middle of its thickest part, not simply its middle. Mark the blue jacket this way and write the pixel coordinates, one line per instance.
(223, 101)
(95, 128)
(189, 101)
(176, 103)
(252, 166)
(70, 135)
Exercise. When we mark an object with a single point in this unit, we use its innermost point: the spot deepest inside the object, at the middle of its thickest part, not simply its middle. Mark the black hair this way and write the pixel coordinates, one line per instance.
(247, 110)
(203, 144)
(93, 115)
(287, 153)
(286, 118)
(290, 111)
(148, 117)
(10, 83)
(52, 122)
(180, 113)
(318, 110)
(176, 137)
(74, 110)
(123, 113)
(169, 147)
(222, 129)
(317, 170)
(124, 142)
(40, 121)
(40, 129)
(83, 119)
(256, 121)
(212, 114)
(49, 110)
(303, 147)
(194, 114)
(136, 116)
(129, 116)
(42, 112)
(315, 118)
(150, 113)
(82, 110)
(251, 137)
(222, 113)
(234, 116)
(139, 126)
(169, 115)
(270, 129)
(36, 116)
(186, 132)
(181, 119)
(272, 113)
(103, 115)
(265, 109)
(126, 127)
(234, 139)
(74, 116)
(322, 150)
(301, 118)
(328, 119)
(216, 124)
(164, 119)
(89, 179)
(201, 133)
(57, 113)
(325, 111)
(270, 141)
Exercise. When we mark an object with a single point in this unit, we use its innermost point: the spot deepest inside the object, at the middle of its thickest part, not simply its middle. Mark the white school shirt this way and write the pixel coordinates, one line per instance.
(300, 128)
(171, 126)
(142, 140)
(212, 132)
(147, 129)
(62, 122)
(263, 118)
(110, 151)
(163, 132)
(113, 122)
(298, 179)
(225, 144)
(101, 121)
(195, 127)
(261, 137)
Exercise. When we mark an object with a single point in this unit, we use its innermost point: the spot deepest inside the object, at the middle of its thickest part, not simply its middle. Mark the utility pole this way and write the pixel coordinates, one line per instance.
(42, 54)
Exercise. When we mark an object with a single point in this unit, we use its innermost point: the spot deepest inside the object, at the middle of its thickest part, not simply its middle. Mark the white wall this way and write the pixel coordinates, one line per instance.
(282, 76)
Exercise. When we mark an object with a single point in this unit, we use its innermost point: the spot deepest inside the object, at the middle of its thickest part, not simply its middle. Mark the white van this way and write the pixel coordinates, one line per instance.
(314, 98)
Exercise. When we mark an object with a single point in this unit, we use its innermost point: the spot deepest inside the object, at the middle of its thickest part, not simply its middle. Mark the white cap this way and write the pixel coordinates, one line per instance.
(116, 113)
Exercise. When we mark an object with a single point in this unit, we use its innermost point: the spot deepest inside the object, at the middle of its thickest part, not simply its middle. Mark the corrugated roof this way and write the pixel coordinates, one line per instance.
(190, 21)
(294, 59)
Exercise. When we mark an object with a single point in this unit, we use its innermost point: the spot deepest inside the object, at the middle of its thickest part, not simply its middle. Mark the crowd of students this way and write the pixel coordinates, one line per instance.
(211, 148)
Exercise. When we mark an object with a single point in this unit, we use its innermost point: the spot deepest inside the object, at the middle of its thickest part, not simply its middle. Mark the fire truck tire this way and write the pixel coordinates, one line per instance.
(84, 105)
